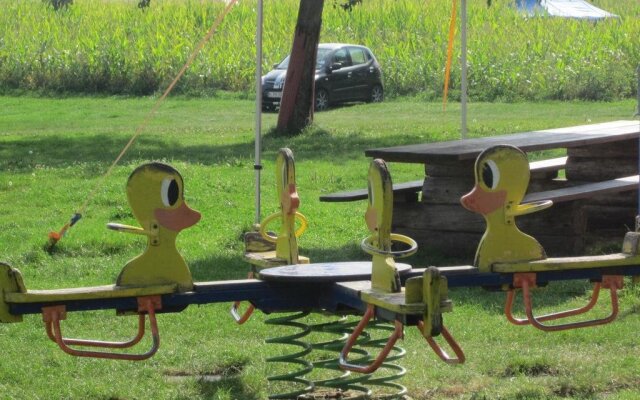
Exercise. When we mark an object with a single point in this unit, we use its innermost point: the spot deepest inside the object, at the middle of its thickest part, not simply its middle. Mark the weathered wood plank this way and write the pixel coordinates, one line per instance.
(467, 149)
(88, 293)
(624, 148)
(562, 219)
(399, 189)
(600, 169)
(446, 190)
(620, 219)
(567, 263)
(586, 190)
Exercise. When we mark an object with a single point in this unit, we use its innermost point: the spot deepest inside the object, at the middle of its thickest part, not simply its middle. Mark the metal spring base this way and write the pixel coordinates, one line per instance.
(296, 378)
(342, 381)
(379, 385)
(385, 378)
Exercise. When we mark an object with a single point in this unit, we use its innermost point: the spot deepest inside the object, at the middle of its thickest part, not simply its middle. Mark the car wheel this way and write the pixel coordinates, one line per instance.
(377, 94)
(267, 108)
(322, 100)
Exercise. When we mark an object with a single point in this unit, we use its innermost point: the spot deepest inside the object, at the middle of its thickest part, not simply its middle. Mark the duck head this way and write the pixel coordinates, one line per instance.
(155, 193)
(502, 177)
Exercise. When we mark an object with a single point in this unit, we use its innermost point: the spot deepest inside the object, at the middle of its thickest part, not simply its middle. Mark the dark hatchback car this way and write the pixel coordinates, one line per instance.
(344, 73)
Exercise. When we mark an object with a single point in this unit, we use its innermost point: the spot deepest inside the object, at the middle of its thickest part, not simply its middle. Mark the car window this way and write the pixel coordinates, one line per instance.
(358, 56)
(341, 57)
(284, 64)
(321, 59)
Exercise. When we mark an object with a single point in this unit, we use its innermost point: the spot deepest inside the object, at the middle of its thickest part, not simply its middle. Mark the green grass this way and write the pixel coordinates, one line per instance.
(113, 47)
(52, 152)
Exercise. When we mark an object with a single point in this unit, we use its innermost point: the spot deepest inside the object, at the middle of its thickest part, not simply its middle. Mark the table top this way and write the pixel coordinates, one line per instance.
(324, 272)
(465, 149)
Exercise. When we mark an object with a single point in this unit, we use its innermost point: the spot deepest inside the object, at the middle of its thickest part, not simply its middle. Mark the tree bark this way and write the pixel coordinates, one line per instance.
(296, 106)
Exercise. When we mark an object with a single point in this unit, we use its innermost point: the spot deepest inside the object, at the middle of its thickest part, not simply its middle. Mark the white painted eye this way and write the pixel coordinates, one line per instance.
(169, 192)
(490, 174)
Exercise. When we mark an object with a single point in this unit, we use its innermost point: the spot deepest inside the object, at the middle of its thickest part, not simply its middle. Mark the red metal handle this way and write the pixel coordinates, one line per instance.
(444, 356)
(384, 353)
(84, 342)
(147, 304)
(241, 319)
(528, 280)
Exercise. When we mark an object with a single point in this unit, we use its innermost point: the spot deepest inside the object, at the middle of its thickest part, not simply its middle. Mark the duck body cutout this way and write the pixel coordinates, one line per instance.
(502, 177)
(156, 195)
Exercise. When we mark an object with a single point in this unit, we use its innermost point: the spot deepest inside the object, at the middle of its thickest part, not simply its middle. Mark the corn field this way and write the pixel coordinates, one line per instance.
(115, 47)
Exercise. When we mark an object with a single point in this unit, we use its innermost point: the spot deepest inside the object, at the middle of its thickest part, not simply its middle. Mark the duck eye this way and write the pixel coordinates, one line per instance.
(490, 174)
(170, 192)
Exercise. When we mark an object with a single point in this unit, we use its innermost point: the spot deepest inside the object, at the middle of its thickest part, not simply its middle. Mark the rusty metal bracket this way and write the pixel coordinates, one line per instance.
(146, 305)
(353, 338)
(526, 281)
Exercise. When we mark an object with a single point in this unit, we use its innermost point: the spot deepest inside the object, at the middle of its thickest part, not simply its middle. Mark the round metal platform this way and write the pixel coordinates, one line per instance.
(324, 272)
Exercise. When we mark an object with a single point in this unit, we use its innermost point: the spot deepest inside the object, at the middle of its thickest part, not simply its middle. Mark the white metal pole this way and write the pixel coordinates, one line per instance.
(463, 84)
(258, 128)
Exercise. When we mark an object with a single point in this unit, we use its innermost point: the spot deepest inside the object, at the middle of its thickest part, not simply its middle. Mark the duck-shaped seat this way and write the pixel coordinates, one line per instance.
(502, 177)
(264, 249)
(423, 298)
(155, 193)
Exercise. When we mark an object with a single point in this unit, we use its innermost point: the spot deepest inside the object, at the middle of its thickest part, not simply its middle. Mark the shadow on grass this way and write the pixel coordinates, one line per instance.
(55, 151)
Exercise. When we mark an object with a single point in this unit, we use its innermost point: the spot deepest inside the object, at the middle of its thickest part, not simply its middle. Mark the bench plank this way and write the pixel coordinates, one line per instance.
(552, 164)
(362, 194)
(585, 191)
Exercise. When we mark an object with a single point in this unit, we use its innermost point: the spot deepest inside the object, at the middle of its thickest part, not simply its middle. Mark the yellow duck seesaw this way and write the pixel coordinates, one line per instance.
(159, 280)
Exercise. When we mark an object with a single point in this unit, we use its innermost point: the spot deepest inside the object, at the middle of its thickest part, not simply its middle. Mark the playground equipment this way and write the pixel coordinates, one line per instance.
(159, 281)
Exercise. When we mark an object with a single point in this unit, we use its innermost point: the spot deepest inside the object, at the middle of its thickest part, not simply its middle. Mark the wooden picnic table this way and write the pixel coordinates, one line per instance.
(595, 153)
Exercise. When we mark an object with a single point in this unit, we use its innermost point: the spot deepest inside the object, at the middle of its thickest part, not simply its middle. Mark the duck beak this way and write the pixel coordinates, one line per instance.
(177, 219)
(483, 202)
(290, 200)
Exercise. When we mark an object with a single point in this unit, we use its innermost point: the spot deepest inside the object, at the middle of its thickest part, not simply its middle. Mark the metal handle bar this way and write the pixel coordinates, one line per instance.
(527, 280)
(147, 304)
(384, 353)
(368, 247)
(298, 216)
(241, 319)
(444, 356)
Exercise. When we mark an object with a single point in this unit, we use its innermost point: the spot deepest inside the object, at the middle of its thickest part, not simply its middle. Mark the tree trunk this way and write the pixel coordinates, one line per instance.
(296, 106)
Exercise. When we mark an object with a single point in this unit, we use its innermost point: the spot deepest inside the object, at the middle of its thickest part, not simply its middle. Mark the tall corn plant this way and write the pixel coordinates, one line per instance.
(112, 46)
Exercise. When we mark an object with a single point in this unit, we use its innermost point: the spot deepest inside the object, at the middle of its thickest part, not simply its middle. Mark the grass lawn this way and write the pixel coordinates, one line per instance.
(53, 152)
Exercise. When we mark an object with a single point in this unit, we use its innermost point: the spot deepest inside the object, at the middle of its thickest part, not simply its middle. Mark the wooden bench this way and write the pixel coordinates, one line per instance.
(586, 190)
(399, 189)
(408, 191)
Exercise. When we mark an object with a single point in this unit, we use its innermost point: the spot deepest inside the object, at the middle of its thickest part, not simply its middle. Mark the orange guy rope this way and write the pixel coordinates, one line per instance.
(447, 71)
(54, 237)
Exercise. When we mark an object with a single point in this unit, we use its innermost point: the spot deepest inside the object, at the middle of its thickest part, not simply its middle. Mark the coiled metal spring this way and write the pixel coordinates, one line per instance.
(296, 377)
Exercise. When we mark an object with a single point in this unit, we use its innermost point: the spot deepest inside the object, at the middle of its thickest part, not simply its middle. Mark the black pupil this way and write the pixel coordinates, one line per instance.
(173, 192)
(487, 176)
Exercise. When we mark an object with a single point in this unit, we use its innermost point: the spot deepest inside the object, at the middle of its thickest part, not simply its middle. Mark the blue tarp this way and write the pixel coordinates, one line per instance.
(580, 9)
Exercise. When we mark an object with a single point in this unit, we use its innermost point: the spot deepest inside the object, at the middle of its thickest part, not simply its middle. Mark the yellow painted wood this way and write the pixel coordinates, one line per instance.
(156, 195)
(87, 293)
(384, 275)
(268, 259)
(394, 302)
(566, 263)
(286, 241)
(502, 177)
(10, 282)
